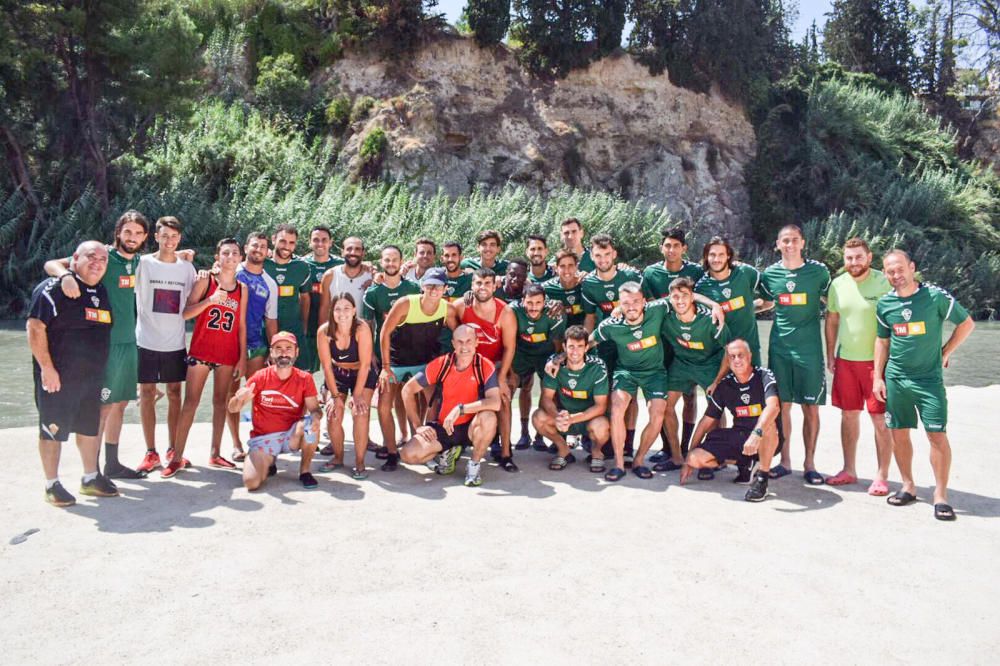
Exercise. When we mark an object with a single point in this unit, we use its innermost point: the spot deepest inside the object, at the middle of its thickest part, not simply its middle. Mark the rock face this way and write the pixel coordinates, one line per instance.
(458, 116)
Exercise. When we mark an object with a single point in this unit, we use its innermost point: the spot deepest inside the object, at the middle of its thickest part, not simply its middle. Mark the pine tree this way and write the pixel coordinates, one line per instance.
(872, 36)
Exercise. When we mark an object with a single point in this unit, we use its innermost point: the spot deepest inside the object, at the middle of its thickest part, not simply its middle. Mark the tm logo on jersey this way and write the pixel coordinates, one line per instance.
(909, 328)
(793, 299)
(744, 411)
(126, 282)
(734, 304)
(644, 343)
(691, 344)
(579, 395)
(100, 316)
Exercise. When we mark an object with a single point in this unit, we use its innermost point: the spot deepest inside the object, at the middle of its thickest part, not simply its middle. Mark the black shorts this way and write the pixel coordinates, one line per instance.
(162, 367)
(460, 436)
(346, 380)
(726, 444)
(74, 408)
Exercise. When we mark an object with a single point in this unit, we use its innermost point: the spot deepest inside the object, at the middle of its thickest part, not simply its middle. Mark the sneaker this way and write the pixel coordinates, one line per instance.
(434, 463)
(758, 489)
(743, 475)
(170, 457)
(99, 486)
(272, 470)
(381, 452)
(539, 444)
(391, 463)
(308, 480)
(150, 462)
(59, 496)
(171, 469)
(220, 462)
(524, 442)
(119, 471)
(472, 477)
(448, 460)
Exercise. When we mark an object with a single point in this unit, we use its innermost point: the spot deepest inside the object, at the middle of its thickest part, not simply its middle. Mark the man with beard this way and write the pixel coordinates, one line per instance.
(424, 257)
(496, 332)
(320, 261)
(796, 287)
(294, 279)
(850, 353)
(565, 287)
(261, 317)
(352, 277)
(571, 232)
(379, 299)
(909, 354)
(279, 393)
(488, 242)
(407, 343)
(69, 340)
(122, 370)
(733, 285)
(459, 280)
(538, 252)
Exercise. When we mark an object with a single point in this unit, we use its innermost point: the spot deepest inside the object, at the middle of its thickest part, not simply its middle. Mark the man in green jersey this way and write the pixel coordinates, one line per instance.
(796, 287)
(599, 291)
(538, 252)
(575, 401)
(909, 351)
(121, 371)
(489, 243)
(565, 287)
(699, 358)
(294, 279)
(850, 352)
(459, 280)
(733, 285)
(321, 259)
(571, 233)
(539, 335)
(638, 341)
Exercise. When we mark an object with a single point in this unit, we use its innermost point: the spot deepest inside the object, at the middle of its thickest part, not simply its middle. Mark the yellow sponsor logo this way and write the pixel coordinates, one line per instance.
(691, 344)
(579, 395)
(286, 290)
(793, 299)
(645, 343)
(734, 304)
(910, 328)
(576, 308)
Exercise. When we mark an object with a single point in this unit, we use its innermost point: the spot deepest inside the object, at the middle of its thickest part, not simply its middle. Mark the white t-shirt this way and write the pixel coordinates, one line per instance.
(354, 286)
(161, 292)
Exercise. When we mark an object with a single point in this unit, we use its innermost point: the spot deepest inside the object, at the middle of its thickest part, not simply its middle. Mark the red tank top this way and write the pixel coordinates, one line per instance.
(216, 336)
(490, 343)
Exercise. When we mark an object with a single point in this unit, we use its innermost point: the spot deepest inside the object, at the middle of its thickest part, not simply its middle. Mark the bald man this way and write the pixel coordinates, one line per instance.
(70, 339)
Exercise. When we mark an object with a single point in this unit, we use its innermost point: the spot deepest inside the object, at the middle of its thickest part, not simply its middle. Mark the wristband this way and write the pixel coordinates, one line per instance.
(758, 432)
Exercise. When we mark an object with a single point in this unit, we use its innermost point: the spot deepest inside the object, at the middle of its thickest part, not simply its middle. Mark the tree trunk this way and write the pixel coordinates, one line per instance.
(19, 172)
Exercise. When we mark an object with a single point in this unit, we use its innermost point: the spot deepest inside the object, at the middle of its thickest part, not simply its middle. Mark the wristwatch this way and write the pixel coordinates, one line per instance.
(461, 409)
(758, 432)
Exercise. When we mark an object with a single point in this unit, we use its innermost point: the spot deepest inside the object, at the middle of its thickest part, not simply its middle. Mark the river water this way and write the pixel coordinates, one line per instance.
(977, 364)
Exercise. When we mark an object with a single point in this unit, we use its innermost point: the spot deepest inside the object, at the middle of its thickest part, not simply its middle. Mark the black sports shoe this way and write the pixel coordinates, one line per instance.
(507, 462)
(743, 475)
(524, 442)
(272, 470)
(391, 463)
(539, 444)
(308, 480)
(59, 496)
(382, 453)
(757, 492)
(99, 486)
(120, 471)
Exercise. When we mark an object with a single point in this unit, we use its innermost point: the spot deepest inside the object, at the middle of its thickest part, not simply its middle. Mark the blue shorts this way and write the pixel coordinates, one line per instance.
(402, 373)
(277, 442)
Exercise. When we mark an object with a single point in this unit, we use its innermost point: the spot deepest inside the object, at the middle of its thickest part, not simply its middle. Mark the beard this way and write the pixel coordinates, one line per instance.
(353, 261)
(385, 271)
(855, 271)
(482, 299)
(283, 361)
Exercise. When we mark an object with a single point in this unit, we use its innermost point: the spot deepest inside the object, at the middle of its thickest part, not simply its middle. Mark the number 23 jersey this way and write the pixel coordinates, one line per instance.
(216, 336)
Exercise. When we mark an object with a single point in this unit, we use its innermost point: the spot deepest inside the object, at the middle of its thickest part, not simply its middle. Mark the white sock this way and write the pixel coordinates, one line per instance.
(51, 482)
(87, 478)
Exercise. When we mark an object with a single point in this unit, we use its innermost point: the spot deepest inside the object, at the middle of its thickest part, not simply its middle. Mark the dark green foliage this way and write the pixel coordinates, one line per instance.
(279, 88)
(338, 113)
(873, 36)
(555, 35)
(488, 20)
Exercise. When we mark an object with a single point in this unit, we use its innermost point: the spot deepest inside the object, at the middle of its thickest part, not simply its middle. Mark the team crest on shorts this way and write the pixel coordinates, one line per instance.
(907, 313)
(105, 394)
(888, 419)
(572, 383)
(727, 292)
(790, 285)
(745, 398)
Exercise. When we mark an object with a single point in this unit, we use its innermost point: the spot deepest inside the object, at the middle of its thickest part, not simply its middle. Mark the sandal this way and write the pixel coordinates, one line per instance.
(381, 452)
(359, 474)
(841, 479)
(813, 478)
(666, 466)
(944, 511)
(507, 462)
(558, 463)
(878, 488)
(391, 463)
(901, 498)
(779, 471)
(642, 472)
(597, 465)
(616, 474)
(330, 466)
(239, 455)
(706, 474)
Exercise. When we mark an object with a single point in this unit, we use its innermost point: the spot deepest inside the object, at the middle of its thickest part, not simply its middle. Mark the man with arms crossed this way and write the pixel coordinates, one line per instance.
(279, 394)
(463, 410)
(850, 350)
(751, 396)
(69, 340)
(909, 352)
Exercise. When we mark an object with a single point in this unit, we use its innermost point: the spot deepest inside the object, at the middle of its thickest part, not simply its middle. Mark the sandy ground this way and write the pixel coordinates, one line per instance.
(410, 567)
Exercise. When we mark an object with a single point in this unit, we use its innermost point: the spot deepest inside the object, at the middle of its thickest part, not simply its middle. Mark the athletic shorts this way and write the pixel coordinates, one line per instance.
(608, 352)
(193, 361)
(852, 386)
(120, 374)
(74, 408)
(652, 382)
(162, 367)
(347, 380)
(458, 437)
(800, 380)
(257, 352)
(403, 373)
(683, 376)
(905, 398)
(726, 444)
(524, 366)
(277, 442)
(578, 429)
(308, 359)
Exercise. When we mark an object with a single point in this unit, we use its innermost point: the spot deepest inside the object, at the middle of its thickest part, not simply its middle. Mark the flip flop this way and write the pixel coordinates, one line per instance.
(813, 478)
(359, 474)
(944, 511)
(239, 456)
(878, 488)
(330, 466)
(778, 471)
(841, 479)
(616, 474)
(666, 466)
(901, 498)
(596, 465)
(705, 474)
(642, 472)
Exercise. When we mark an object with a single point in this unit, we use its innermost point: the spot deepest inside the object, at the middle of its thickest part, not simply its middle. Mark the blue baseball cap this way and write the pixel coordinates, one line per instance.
(435, 276)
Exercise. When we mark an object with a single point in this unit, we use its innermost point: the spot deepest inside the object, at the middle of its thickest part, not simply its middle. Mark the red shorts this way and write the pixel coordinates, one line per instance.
(852, 386)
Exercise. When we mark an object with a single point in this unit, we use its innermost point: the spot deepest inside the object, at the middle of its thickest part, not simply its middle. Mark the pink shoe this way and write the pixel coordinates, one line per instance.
(841, 479)
(878, 488)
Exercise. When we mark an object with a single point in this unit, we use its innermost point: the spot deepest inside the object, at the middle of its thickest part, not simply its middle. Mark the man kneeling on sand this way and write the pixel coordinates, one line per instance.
(751, 396)
(279, 394)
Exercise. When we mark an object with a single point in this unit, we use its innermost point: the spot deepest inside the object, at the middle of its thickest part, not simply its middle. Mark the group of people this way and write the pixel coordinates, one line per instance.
(439, 343)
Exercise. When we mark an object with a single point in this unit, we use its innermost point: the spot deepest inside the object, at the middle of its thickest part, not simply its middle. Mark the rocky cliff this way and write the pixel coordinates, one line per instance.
(458, 116)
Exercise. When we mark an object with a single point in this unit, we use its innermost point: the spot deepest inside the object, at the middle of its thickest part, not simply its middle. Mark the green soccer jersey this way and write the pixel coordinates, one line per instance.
(735, 295)
(379, 299)
(575, 389)
(915, 328)
(317, 269)
(545, 277)
(656, 278)
(458, 286)
(535, 336)
(699, 341)
(292, 278)
(639, 346)
(600, 297)
(585, 263)
(119, 280)
(475, 263)
(796, 294)
(571, 299)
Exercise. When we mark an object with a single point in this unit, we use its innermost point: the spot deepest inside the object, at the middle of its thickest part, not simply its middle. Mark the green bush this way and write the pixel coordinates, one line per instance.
(362, 107)
(338, 113)
(279, 87)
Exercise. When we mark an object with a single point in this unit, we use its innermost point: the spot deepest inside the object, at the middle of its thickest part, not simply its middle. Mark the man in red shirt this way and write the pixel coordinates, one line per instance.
(280, 393)
(462, 410)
